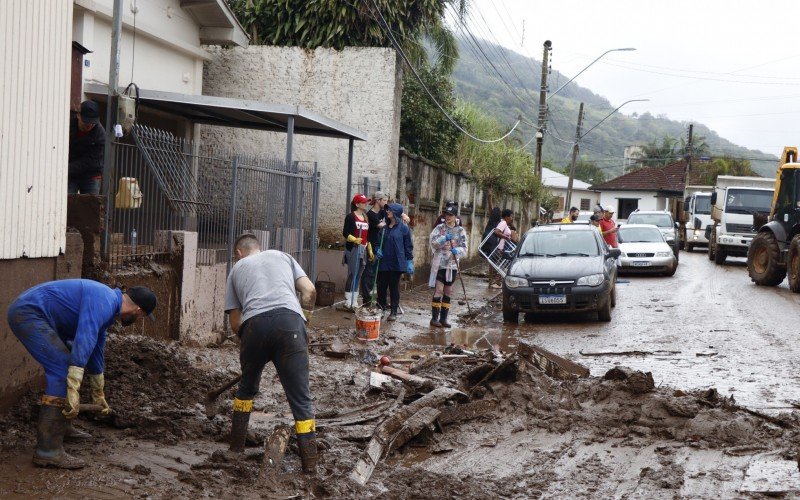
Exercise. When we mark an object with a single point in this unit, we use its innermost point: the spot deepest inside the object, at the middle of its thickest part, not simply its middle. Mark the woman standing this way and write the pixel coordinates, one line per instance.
(355, 231)
(395, 258)
(449, 243)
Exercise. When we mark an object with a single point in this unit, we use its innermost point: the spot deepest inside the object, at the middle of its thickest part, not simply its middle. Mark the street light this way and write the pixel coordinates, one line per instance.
(625, 49)
(578, 137)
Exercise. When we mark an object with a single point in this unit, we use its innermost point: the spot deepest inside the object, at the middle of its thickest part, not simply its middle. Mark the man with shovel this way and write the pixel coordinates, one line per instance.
(63, 326)
(261, 299)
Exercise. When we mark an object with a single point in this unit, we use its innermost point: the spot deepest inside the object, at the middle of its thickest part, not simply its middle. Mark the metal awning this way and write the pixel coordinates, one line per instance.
(238, 113)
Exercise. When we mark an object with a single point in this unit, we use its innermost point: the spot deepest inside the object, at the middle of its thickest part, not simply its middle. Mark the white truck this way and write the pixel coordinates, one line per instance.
(734, 202)
(697, 205)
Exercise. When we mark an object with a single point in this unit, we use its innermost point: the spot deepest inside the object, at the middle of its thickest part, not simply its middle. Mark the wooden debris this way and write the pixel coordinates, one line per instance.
(415, 380)
(355, 416)
(468, 411)
(552, 364)
(274, 449)
(630, 353)
(388, 432)
(379, 380)
(338, 350)
(507, 364)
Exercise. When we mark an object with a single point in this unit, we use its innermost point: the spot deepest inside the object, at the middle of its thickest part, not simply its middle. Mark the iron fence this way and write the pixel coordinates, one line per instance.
(166, 183)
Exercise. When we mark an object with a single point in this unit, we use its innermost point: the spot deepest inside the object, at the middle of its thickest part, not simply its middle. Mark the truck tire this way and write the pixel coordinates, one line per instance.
(719, 256)
(763, 259)
(712, 244)
(793, 264)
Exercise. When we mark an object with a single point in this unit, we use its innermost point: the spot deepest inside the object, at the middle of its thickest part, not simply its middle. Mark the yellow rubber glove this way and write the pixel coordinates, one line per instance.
(97, 384)
(74, 379)
(370, 254)
(353, 239)
(308, 314)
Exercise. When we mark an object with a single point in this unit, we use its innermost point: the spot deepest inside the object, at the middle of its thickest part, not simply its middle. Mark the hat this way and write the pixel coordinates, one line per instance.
(450, 209)
(396, 208)
(89, 112)
(144, 298)
(450, 203)
(608, 208)
(360, 198)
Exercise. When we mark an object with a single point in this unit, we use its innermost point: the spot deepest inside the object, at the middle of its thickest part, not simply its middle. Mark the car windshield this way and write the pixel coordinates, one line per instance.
(660, 220)
(560, 244)
(640, 235)
(702, 205)
(748, 201)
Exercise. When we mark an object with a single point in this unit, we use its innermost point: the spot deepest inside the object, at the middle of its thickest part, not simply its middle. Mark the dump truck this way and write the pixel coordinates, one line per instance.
(734, 203)
(697, 216)
(775, 251)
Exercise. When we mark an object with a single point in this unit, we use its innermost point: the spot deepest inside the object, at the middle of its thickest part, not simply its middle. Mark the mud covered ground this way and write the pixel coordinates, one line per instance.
(538, 436)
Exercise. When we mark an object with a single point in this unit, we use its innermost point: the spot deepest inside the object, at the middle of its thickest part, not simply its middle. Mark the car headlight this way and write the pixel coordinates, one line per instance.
(514, 282)
(591, 280)
(663, 254)
(697, 232)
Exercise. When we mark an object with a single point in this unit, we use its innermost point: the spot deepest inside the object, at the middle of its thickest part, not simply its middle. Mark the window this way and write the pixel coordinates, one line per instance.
(560, 243)
(626, 207)
(586, 204)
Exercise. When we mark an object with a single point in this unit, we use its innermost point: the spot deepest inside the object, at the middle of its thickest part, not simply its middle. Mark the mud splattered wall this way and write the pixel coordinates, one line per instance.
(359, 87)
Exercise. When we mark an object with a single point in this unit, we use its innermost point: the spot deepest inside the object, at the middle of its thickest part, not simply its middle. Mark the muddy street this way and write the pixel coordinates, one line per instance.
(712, 419)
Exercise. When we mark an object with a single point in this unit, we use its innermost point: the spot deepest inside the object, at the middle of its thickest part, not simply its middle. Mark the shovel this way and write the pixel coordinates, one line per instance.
(211, 397)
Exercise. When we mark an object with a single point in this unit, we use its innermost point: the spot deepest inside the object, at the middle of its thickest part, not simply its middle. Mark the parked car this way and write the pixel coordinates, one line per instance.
(644, 249)
(564, 268)
(663, 220)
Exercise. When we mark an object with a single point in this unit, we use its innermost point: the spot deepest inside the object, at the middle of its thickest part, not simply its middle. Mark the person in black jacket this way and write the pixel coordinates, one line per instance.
(87, 140)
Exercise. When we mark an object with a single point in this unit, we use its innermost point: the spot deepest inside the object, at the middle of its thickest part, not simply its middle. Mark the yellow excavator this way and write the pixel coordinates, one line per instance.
(774, 252)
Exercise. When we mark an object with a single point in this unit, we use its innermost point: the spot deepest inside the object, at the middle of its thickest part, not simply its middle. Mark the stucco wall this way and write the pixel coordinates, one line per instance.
(647, 199)
(360, 87)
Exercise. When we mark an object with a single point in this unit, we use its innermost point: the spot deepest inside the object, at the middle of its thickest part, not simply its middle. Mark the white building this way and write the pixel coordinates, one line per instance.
(583, 196)
(649, 188)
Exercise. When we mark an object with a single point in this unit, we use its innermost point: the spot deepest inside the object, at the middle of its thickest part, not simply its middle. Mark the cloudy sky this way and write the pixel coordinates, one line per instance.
(732, 65)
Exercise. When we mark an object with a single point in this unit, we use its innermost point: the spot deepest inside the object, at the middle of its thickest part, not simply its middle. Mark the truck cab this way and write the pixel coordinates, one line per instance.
(698, 217)
(734, 204)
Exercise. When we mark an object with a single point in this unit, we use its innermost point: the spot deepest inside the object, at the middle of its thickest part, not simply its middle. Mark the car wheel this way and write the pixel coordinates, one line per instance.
(530, 317)
(509, 315)
(614, 297)
(689, 247)
(604, 314)
(671, 272)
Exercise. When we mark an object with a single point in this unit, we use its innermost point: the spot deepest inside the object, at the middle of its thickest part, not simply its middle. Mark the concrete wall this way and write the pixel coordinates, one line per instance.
(360, 87)
(18, 370)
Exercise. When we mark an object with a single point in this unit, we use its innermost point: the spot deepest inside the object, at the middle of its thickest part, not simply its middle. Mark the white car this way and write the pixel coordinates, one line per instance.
(644, 249)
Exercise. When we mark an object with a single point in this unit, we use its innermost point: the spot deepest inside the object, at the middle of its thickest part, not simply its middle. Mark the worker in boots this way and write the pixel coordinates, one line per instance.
(264, 311)
(448, 241)
(63, 326)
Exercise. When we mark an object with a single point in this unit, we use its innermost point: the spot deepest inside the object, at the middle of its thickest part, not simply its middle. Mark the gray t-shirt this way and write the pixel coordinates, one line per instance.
(263, 282)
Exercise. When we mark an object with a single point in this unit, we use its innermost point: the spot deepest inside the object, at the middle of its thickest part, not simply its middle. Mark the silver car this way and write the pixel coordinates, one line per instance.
(644, 249)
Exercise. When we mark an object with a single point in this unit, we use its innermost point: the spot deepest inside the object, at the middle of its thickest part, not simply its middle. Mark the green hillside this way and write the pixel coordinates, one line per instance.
(476, 81)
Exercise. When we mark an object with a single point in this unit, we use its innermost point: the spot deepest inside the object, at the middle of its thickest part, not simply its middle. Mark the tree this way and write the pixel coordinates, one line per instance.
(705, 173)
(654, 154)
(586, 171)
(326, 23)
(424, 130)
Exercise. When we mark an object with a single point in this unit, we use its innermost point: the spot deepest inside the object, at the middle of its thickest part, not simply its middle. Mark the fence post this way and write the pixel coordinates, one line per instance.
(312, 265)
(232, 213)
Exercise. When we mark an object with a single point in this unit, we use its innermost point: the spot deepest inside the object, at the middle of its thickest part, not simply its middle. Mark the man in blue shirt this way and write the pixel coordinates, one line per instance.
(63, 326)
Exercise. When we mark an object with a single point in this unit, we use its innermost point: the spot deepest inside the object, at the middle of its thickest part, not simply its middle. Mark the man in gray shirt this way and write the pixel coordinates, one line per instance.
(261, 299)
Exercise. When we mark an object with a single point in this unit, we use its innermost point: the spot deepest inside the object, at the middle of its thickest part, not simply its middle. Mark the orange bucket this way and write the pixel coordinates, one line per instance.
(368, 325)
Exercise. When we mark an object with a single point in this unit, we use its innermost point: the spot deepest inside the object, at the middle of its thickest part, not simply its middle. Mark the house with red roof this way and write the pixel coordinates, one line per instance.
(649, 188)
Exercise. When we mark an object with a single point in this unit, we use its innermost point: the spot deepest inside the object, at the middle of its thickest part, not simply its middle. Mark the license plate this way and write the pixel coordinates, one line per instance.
(552, 299)
(641, 264)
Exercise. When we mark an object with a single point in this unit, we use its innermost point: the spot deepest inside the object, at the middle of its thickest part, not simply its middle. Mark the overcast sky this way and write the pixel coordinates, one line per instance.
(731, 65)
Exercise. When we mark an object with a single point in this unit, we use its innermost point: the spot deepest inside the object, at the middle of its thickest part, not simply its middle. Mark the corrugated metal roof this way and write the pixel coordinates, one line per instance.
(35, 54)
(553, 179)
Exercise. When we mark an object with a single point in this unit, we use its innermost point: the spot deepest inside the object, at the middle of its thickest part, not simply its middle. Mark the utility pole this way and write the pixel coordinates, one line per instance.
(540, 127)
(690, 153)
(111, 113)
(568, 201)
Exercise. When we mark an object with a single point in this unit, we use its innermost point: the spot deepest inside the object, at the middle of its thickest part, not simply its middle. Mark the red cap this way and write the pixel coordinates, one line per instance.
(360, 198)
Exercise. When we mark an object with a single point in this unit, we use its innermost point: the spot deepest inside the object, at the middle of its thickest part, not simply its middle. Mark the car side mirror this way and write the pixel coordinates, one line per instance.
(614, 252)
(677, 225)
(697, 223)
(714, 198)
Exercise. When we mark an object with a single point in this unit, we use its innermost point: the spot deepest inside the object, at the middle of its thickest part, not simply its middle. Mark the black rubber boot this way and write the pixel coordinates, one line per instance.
(75, 434)
(445, 312)
(239, 424)
(50, 440)
(436, 309)
(307, 447)
(393, 315)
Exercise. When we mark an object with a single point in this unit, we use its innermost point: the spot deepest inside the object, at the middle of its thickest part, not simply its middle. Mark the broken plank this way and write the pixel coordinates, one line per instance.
(550, 363)
(274, 449)
(405, 376)
(415, 424)
(468, 411)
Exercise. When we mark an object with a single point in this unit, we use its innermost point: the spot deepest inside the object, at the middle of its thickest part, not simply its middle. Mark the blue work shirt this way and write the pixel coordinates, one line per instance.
(80, 311)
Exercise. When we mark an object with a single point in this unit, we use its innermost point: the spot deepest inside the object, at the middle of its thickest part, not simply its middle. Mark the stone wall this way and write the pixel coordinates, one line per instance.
(360, 87)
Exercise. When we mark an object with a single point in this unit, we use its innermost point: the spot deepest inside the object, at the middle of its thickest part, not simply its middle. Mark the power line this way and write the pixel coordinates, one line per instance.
(386, 28)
